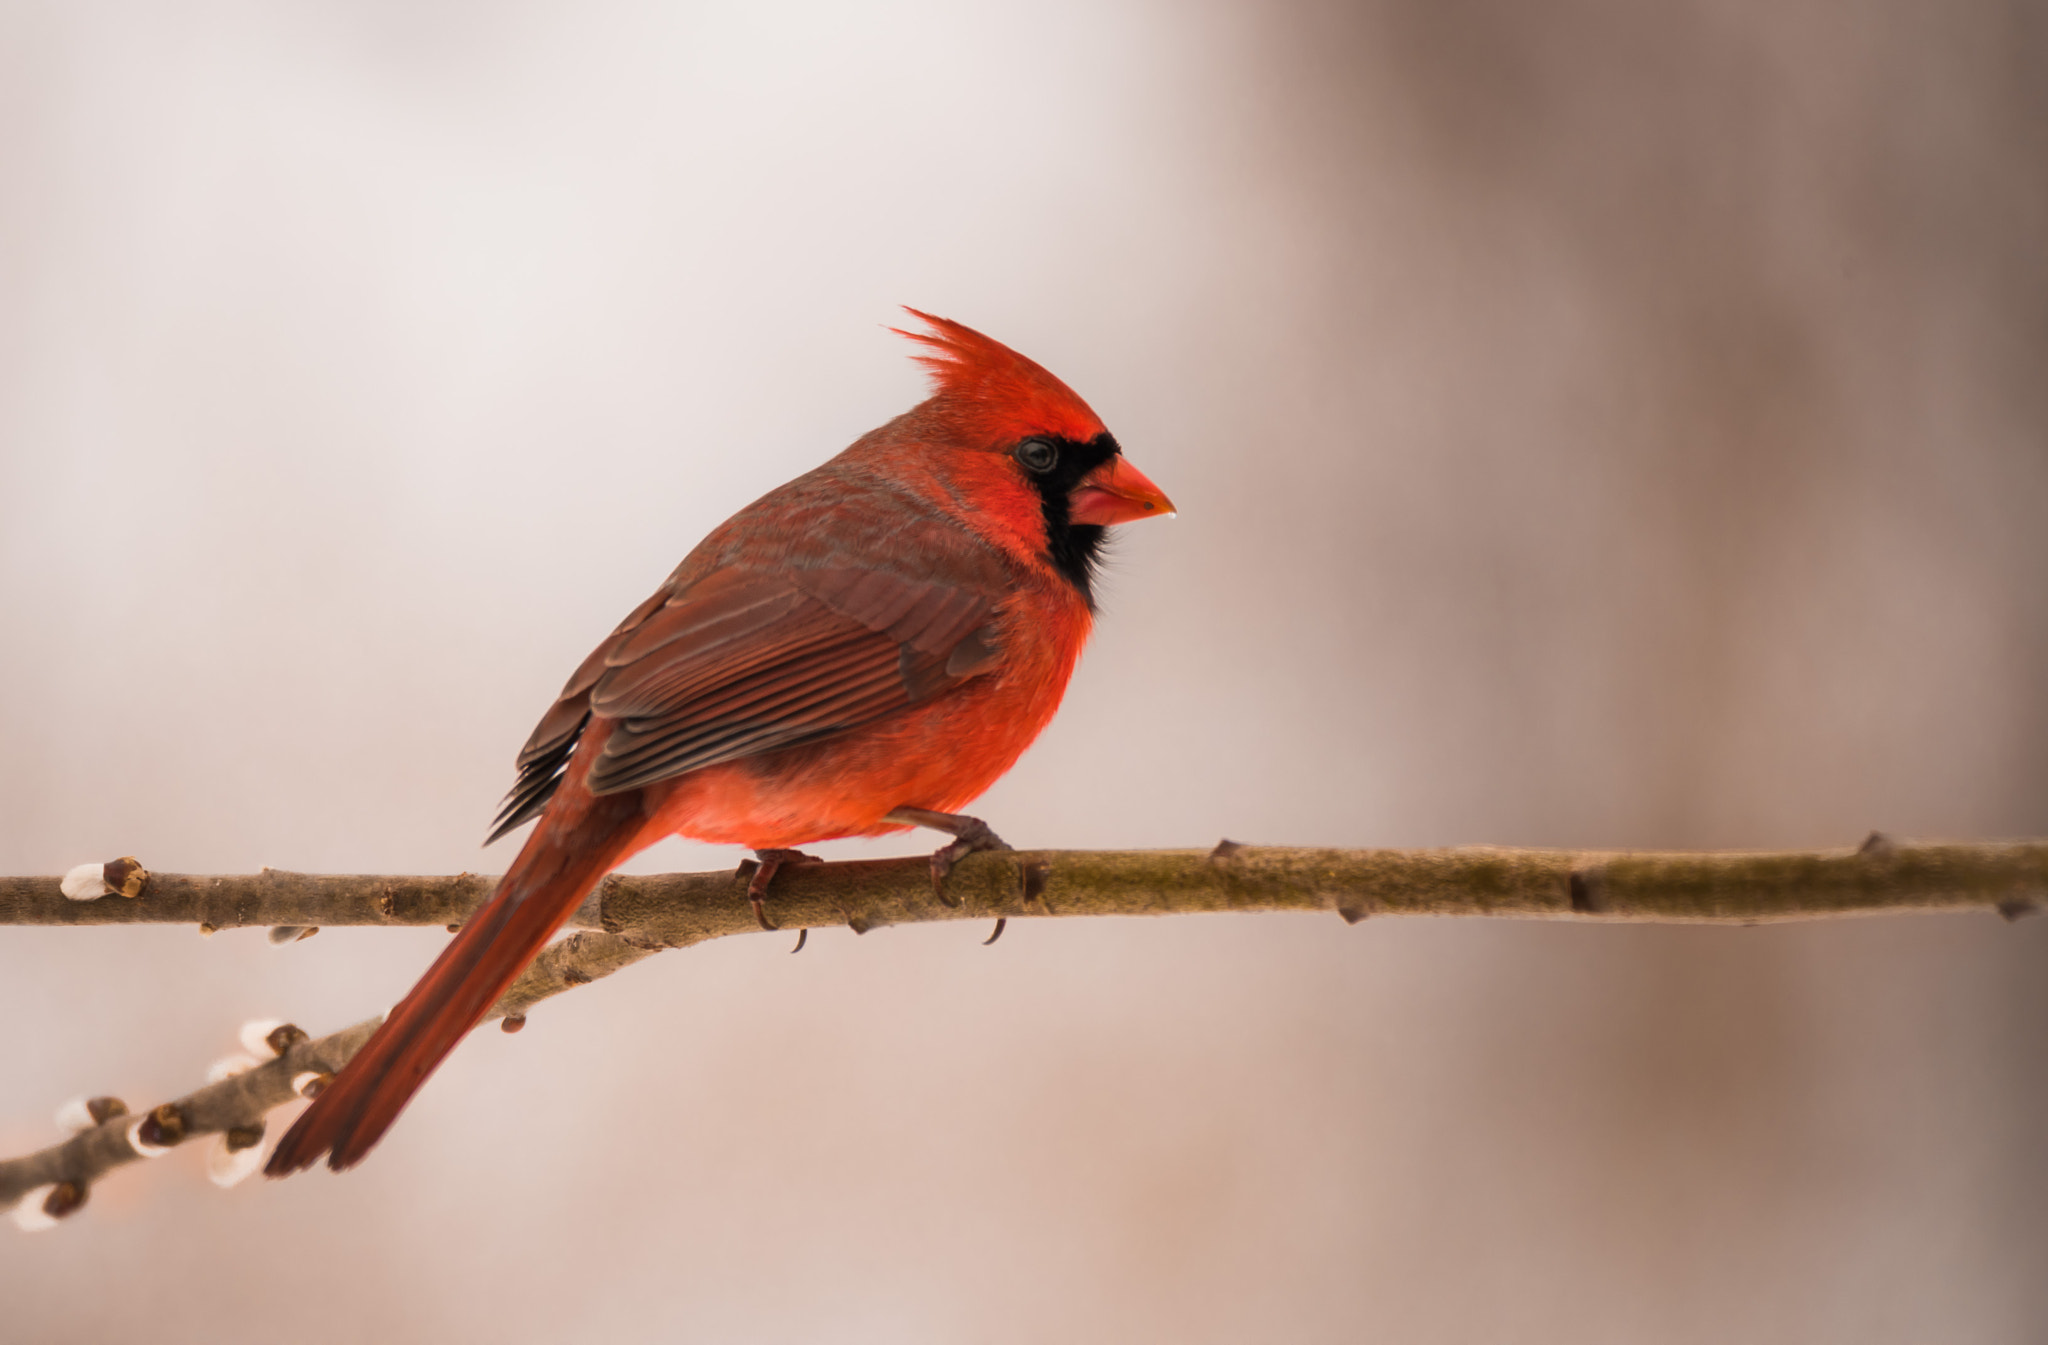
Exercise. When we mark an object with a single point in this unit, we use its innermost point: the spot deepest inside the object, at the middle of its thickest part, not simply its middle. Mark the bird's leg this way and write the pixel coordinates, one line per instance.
(764, 873)
(969, 835)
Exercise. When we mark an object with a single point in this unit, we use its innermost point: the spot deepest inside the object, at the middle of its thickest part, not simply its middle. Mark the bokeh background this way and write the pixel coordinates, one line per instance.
(1594, 423)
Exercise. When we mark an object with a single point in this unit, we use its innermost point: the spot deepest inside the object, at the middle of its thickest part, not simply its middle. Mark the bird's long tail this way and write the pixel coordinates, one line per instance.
(569, 851)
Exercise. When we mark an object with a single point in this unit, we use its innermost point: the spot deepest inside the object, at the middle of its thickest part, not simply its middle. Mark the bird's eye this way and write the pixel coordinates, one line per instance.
(1037, 455)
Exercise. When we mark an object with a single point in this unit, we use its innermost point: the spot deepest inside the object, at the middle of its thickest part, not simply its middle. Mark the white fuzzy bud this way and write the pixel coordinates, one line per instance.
(228, 1066)
(83, 1113)
(308, 1083)
(255, 1033)
(142, 1147)
(225, 1166)
(87, 882)
(29, 1214)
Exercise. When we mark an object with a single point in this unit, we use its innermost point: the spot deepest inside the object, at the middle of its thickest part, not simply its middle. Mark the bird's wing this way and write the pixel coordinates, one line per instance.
(744, 662)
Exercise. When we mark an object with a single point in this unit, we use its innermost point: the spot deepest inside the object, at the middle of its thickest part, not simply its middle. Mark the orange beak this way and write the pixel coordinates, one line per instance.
(1116, 492)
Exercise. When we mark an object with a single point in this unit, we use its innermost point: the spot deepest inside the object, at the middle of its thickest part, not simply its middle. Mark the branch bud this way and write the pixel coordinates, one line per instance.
(268, 1037)
(281, 934)
(254, 1034)
(157, 1133)
(90, 882)
(125, 876)
(43, 1206)
(140, 1143)
(285, 1036)
(234, 1154)
(512, 1022)
(83, 1113)
(310, 1084)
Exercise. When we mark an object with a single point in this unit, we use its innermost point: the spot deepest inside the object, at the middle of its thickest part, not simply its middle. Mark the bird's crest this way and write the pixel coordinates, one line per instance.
(1004, 394)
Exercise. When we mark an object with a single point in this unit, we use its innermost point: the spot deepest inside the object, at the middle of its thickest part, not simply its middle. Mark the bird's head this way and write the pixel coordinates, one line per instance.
(1029, 440)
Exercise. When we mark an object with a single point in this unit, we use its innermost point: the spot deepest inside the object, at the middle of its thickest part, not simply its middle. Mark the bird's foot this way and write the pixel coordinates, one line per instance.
(969, 835)
(769, 862)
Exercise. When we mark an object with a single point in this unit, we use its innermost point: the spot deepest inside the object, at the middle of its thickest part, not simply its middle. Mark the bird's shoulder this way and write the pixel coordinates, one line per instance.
(841, 517)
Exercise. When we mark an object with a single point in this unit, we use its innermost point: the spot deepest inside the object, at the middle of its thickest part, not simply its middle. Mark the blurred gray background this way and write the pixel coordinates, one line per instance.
(1594, 424)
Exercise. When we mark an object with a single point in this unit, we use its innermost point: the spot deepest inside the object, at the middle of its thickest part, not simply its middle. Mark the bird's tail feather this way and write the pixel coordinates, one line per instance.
(568, 852)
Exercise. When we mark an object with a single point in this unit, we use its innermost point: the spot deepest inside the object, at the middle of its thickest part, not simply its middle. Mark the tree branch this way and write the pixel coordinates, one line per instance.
(674, 910)
(60, 1176)
(627, 918)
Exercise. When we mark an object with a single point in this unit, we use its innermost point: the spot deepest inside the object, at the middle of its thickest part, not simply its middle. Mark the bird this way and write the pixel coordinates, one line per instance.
(862, 650)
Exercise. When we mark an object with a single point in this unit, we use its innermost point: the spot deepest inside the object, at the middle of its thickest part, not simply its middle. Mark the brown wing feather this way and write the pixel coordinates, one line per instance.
(548, 747)
(742, 663)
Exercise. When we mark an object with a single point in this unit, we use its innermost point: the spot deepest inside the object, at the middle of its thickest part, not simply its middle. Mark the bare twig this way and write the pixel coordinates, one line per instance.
(627, 918)
(235, 1106)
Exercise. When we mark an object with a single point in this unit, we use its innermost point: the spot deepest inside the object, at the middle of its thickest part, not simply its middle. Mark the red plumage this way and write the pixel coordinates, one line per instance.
(887, 632)
(992, 392)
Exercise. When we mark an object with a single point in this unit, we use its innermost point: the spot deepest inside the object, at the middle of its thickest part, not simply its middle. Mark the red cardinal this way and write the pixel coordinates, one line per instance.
(862, 650)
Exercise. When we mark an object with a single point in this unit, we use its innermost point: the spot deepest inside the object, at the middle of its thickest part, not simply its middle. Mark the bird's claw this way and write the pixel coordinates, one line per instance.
(764, 873)
(969, 835)
(979, 836)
